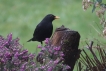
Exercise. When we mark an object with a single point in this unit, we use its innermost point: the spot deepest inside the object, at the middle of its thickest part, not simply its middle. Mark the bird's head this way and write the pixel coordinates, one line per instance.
(51, 17)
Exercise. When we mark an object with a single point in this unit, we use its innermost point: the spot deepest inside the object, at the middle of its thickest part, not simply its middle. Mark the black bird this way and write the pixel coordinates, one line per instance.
(44, 29)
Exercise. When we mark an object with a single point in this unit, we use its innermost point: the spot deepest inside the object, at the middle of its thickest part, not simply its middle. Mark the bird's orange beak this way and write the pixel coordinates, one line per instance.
(56, 17)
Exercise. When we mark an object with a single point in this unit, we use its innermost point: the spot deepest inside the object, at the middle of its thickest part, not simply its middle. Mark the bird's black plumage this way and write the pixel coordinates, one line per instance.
(44, 29)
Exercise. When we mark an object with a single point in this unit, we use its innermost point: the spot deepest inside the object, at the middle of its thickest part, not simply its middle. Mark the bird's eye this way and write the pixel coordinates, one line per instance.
(51, 15)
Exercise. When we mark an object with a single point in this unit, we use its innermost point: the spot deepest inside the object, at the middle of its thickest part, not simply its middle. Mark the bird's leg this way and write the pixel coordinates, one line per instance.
(41, 43)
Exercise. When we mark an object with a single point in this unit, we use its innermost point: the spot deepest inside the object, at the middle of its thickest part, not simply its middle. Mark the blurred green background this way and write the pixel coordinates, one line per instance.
(20, 17)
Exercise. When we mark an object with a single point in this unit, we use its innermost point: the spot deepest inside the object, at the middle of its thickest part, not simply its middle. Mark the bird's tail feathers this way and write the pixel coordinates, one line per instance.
(30, 40)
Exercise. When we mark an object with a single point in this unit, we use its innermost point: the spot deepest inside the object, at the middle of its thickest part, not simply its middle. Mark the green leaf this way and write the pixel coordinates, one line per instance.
(100, 1)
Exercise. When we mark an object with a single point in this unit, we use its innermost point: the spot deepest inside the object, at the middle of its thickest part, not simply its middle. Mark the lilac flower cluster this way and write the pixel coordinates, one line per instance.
(51, 58)
(13, 57)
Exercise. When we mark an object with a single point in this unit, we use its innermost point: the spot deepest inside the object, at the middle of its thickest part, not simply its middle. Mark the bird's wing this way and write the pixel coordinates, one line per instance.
(40, 29)
(37, 30)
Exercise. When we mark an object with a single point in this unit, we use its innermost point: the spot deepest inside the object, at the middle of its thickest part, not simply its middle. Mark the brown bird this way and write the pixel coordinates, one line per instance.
(44, 29)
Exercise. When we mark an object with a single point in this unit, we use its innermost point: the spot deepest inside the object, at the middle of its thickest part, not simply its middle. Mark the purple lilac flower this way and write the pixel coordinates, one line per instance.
(39, 46)
(9, 37)
(55, 53)
(61, 54)
(13, 57)
(43, 49)
(56, 61)
(68, 67)
(57, 48)
(46, 40)
(51, 58)
(23, 66)
(50, 69)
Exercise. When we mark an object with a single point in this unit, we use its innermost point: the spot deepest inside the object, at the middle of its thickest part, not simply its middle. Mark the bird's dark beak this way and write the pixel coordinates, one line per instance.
(56, 17)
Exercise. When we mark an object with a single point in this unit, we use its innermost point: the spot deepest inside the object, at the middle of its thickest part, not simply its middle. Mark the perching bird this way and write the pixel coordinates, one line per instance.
(44, 29)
